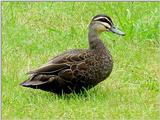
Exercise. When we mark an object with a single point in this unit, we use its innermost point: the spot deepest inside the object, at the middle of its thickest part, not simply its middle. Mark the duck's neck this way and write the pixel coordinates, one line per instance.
(94, 41)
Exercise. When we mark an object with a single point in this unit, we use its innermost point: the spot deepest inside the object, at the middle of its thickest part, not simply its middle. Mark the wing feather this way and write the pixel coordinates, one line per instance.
(49, 68)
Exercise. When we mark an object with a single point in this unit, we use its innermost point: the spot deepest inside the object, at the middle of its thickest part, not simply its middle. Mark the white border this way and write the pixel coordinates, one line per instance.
(80, 0)
(47, 1)
(1, 61)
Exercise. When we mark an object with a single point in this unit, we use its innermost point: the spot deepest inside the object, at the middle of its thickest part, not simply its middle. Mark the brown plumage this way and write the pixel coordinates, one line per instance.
(77, 70)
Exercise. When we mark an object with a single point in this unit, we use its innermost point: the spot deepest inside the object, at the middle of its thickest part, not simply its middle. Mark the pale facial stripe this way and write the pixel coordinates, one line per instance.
(106, 25)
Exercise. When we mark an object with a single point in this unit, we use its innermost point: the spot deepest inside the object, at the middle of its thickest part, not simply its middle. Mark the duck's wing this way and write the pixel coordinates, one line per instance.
(49, 68)
(58, 68)
(69, 56)
(60, 62)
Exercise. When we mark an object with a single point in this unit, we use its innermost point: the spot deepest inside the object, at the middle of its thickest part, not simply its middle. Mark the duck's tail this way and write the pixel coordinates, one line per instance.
(37, 80)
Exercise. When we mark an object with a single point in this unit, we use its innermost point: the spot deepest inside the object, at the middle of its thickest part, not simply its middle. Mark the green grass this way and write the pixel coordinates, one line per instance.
(33, 32)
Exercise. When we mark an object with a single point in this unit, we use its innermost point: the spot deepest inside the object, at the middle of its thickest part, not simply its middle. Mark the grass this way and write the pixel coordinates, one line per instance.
(33, 32)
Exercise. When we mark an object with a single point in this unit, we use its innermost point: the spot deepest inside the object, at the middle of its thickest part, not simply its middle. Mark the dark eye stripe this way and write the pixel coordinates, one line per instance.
(110, 20)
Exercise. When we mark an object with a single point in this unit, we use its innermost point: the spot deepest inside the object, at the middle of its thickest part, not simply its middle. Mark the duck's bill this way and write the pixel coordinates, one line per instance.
(116, 31)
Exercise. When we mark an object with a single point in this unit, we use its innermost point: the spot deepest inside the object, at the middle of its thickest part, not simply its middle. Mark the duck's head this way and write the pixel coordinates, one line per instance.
(101, 23)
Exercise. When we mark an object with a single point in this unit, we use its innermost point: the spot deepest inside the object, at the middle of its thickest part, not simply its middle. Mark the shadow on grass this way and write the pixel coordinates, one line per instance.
(93, 93)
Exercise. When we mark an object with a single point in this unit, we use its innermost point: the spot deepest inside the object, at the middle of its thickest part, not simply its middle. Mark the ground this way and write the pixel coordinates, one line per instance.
(34, 32)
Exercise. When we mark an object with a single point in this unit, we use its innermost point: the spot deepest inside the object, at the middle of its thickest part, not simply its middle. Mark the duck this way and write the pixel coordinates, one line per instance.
(77, 70)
